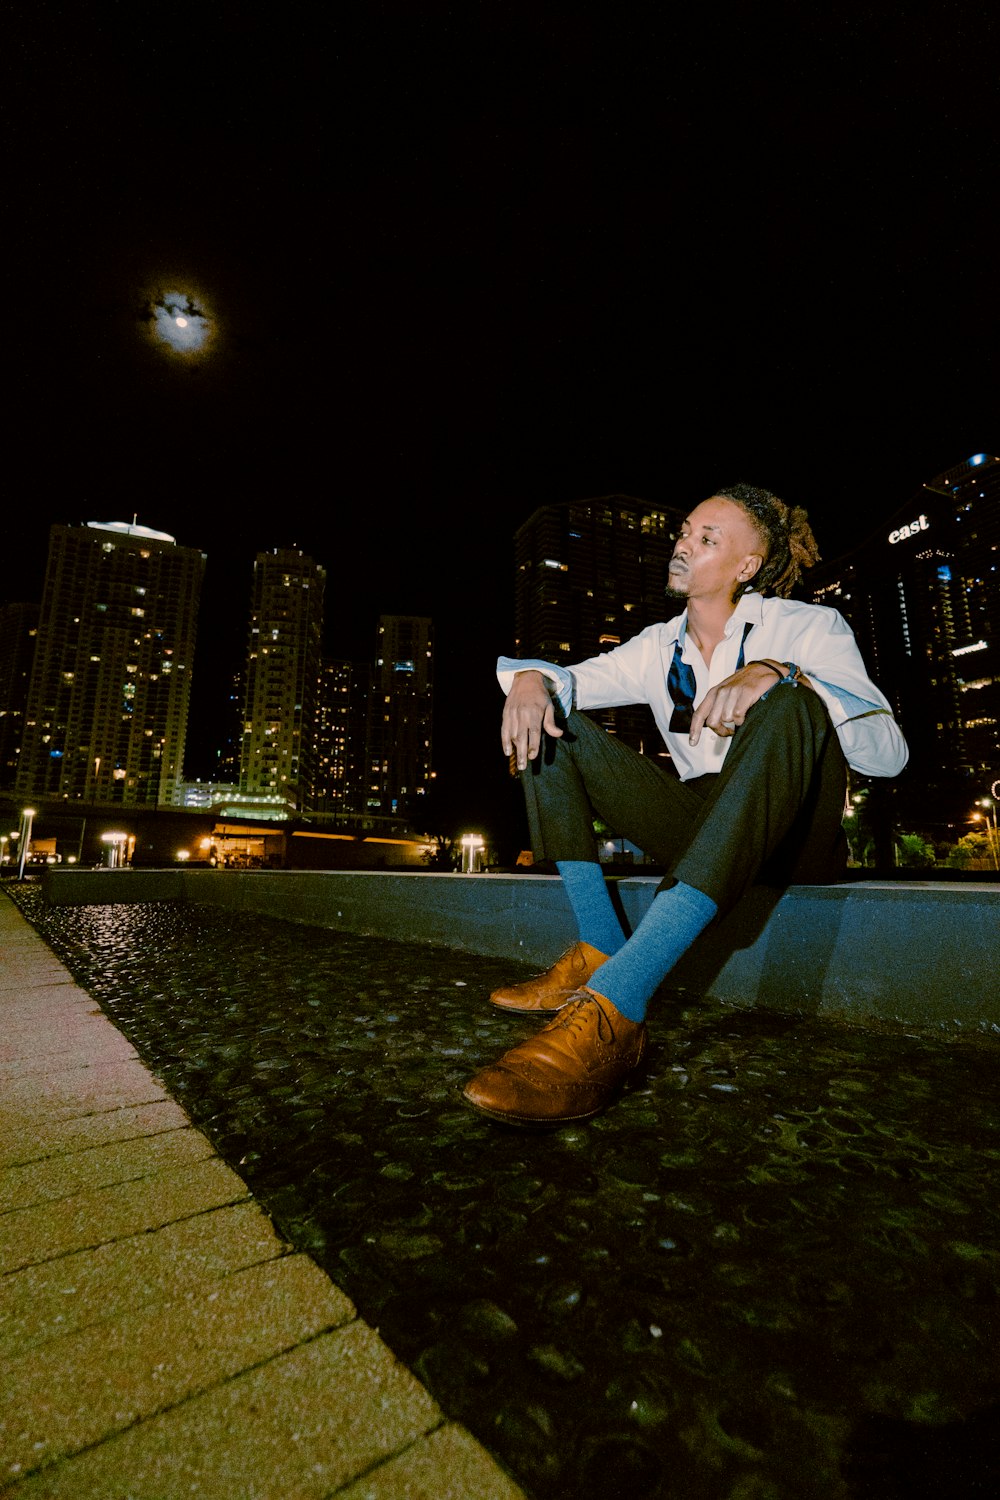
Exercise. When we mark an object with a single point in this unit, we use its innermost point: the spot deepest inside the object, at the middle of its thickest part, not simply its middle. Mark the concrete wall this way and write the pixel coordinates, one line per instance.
(923, 953)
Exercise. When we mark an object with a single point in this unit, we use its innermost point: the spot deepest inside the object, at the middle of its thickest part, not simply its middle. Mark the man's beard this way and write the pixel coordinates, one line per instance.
(671, 593)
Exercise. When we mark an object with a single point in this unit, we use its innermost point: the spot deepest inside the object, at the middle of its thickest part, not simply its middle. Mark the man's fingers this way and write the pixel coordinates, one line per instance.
(700, 717)
(528, 715)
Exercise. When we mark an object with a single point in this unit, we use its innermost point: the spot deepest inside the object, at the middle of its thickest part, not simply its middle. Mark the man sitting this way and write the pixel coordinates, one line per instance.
(763, 702)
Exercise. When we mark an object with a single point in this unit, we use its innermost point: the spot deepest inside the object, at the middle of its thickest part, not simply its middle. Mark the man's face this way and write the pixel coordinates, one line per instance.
(717, 551)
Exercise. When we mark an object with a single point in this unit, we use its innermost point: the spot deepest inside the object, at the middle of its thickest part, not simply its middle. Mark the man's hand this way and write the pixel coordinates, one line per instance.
(528, 713)
(724, 707)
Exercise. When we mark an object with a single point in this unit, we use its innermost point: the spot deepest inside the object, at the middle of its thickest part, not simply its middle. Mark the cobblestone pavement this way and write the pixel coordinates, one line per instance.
(770, 1272)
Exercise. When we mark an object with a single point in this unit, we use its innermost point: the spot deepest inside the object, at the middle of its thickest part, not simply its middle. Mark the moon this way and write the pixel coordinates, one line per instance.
(179, 321)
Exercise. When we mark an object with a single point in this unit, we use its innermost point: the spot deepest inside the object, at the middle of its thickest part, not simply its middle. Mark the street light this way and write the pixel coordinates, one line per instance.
(27, 818)
(472, 848)
(116, 848)
(991, 833)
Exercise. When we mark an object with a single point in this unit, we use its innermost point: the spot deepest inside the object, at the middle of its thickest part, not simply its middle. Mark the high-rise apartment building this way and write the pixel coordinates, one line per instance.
(18, 633)
(922, 595)
(281, 677)
(111, 682)
(341, 723)
(972, 489)
(399, 746)
(589, 575)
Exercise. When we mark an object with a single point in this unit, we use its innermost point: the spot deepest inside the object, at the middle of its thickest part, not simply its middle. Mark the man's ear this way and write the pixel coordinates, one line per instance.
(750, 566)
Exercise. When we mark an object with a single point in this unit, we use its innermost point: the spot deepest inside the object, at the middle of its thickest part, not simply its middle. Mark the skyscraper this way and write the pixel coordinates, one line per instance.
(400, 716)
(111, 682)
(281, 678)
(340, 739)
(589, 575)
(922, 595)
(972, 489)
(18, 633)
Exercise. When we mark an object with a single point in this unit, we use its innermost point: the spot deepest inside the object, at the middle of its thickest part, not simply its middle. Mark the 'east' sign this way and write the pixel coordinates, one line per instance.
(920, 524)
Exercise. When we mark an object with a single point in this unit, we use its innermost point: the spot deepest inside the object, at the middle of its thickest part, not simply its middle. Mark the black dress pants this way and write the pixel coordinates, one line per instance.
(771, 816)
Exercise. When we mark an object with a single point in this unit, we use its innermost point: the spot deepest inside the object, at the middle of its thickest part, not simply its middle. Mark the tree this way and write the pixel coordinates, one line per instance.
(972, 848)
(914, 851)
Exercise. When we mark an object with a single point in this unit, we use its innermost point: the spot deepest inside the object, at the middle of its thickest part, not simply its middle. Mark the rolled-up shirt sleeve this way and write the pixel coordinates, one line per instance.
(560, 678)
(869, 736)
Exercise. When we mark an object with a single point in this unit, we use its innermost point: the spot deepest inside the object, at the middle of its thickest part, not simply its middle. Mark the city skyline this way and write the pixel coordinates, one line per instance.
(457, 265)
(465, 695)
(921, 592)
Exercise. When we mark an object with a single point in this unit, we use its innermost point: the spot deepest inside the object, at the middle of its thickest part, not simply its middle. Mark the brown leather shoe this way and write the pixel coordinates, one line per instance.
(551, 990)
(568, 1071)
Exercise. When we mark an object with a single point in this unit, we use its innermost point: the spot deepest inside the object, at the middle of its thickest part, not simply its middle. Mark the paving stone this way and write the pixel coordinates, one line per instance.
(74, 1391)
(85, 1052)
(100, 1166)
(448, 1464)
(25, 1137)
(31, 968)
(28, 1235)
(47, 1005)
(55, 1022)
(98, 1285)
(83, 1090)
(297, 1428)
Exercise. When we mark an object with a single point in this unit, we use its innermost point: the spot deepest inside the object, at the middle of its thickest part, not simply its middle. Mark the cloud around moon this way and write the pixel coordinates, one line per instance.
(179, 322)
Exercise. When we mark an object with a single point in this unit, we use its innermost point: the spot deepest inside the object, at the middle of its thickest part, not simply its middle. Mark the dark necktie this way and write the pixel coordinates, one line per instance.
(681, 684)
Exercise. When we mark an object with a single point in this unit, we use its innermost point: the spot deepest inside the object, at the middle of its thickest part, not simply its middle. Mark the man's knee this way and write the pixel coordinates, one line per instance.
(785, 704)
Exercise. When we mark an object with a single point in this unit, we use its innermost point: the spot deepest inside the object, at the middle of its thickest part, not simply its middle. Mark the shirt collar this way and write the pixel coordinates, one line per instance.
(749, 607)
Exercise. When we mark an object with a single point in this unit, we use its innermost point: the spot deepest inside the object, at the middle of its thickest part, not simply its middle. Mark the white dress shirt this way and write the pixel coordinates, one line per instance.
(817, 639)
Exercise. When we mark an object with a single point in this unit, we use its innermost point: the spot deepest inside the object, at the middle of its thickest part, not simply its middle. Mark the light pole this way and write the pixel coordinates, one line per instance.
(472, 845)
(991, 833)
(27, 818)
(116, 848)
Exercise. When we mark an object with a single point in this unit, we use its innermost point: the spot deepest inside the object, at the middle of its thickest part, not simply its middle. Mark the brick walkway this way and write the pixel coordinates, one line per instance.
(157, 1338)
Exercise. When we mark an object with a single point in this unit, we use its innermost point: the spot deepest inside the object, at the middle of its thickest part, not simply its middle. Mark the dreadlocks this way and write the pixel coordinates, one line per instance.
(785, 534)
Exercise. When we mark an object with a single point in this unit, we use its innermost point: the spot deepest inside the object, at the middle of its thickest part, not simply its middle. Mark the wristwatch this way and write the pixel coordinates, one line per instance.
(791, 676)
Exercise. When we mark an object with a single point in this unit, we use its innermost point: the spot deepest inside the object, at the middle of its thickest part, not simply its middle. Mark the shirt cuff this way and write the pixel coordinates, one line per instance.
(560, 678)
(850, 705)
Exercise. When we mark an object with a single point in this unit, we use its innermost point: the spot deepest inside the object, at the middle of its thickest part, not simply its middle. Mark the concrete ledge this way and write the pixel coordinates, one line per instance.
(924, 953)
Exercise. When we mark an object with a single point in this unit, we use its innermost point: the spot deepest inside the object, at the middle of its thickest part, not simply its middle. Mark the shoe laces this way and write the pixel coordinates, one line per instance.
(574, 1018)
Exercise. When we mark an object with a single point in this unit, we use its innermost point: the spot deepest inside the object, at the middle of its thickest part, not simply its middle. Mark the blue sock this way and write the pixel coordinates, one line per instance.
(631, 977)
(596, 920)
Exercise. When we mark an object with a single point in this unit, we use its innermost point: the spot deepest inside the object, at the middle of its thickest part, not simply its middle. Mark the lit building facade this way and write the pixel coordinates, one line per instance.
(341, 724)
(922, 595)
(972, 490)
(110, 687)
(591, 574)
(399, 740)
(277, 753)
(18, 633)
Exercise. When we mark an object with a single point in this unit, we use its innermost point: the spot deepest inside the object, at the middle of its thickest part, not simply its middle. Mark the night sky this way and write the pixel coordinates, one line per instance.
(466, 259)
